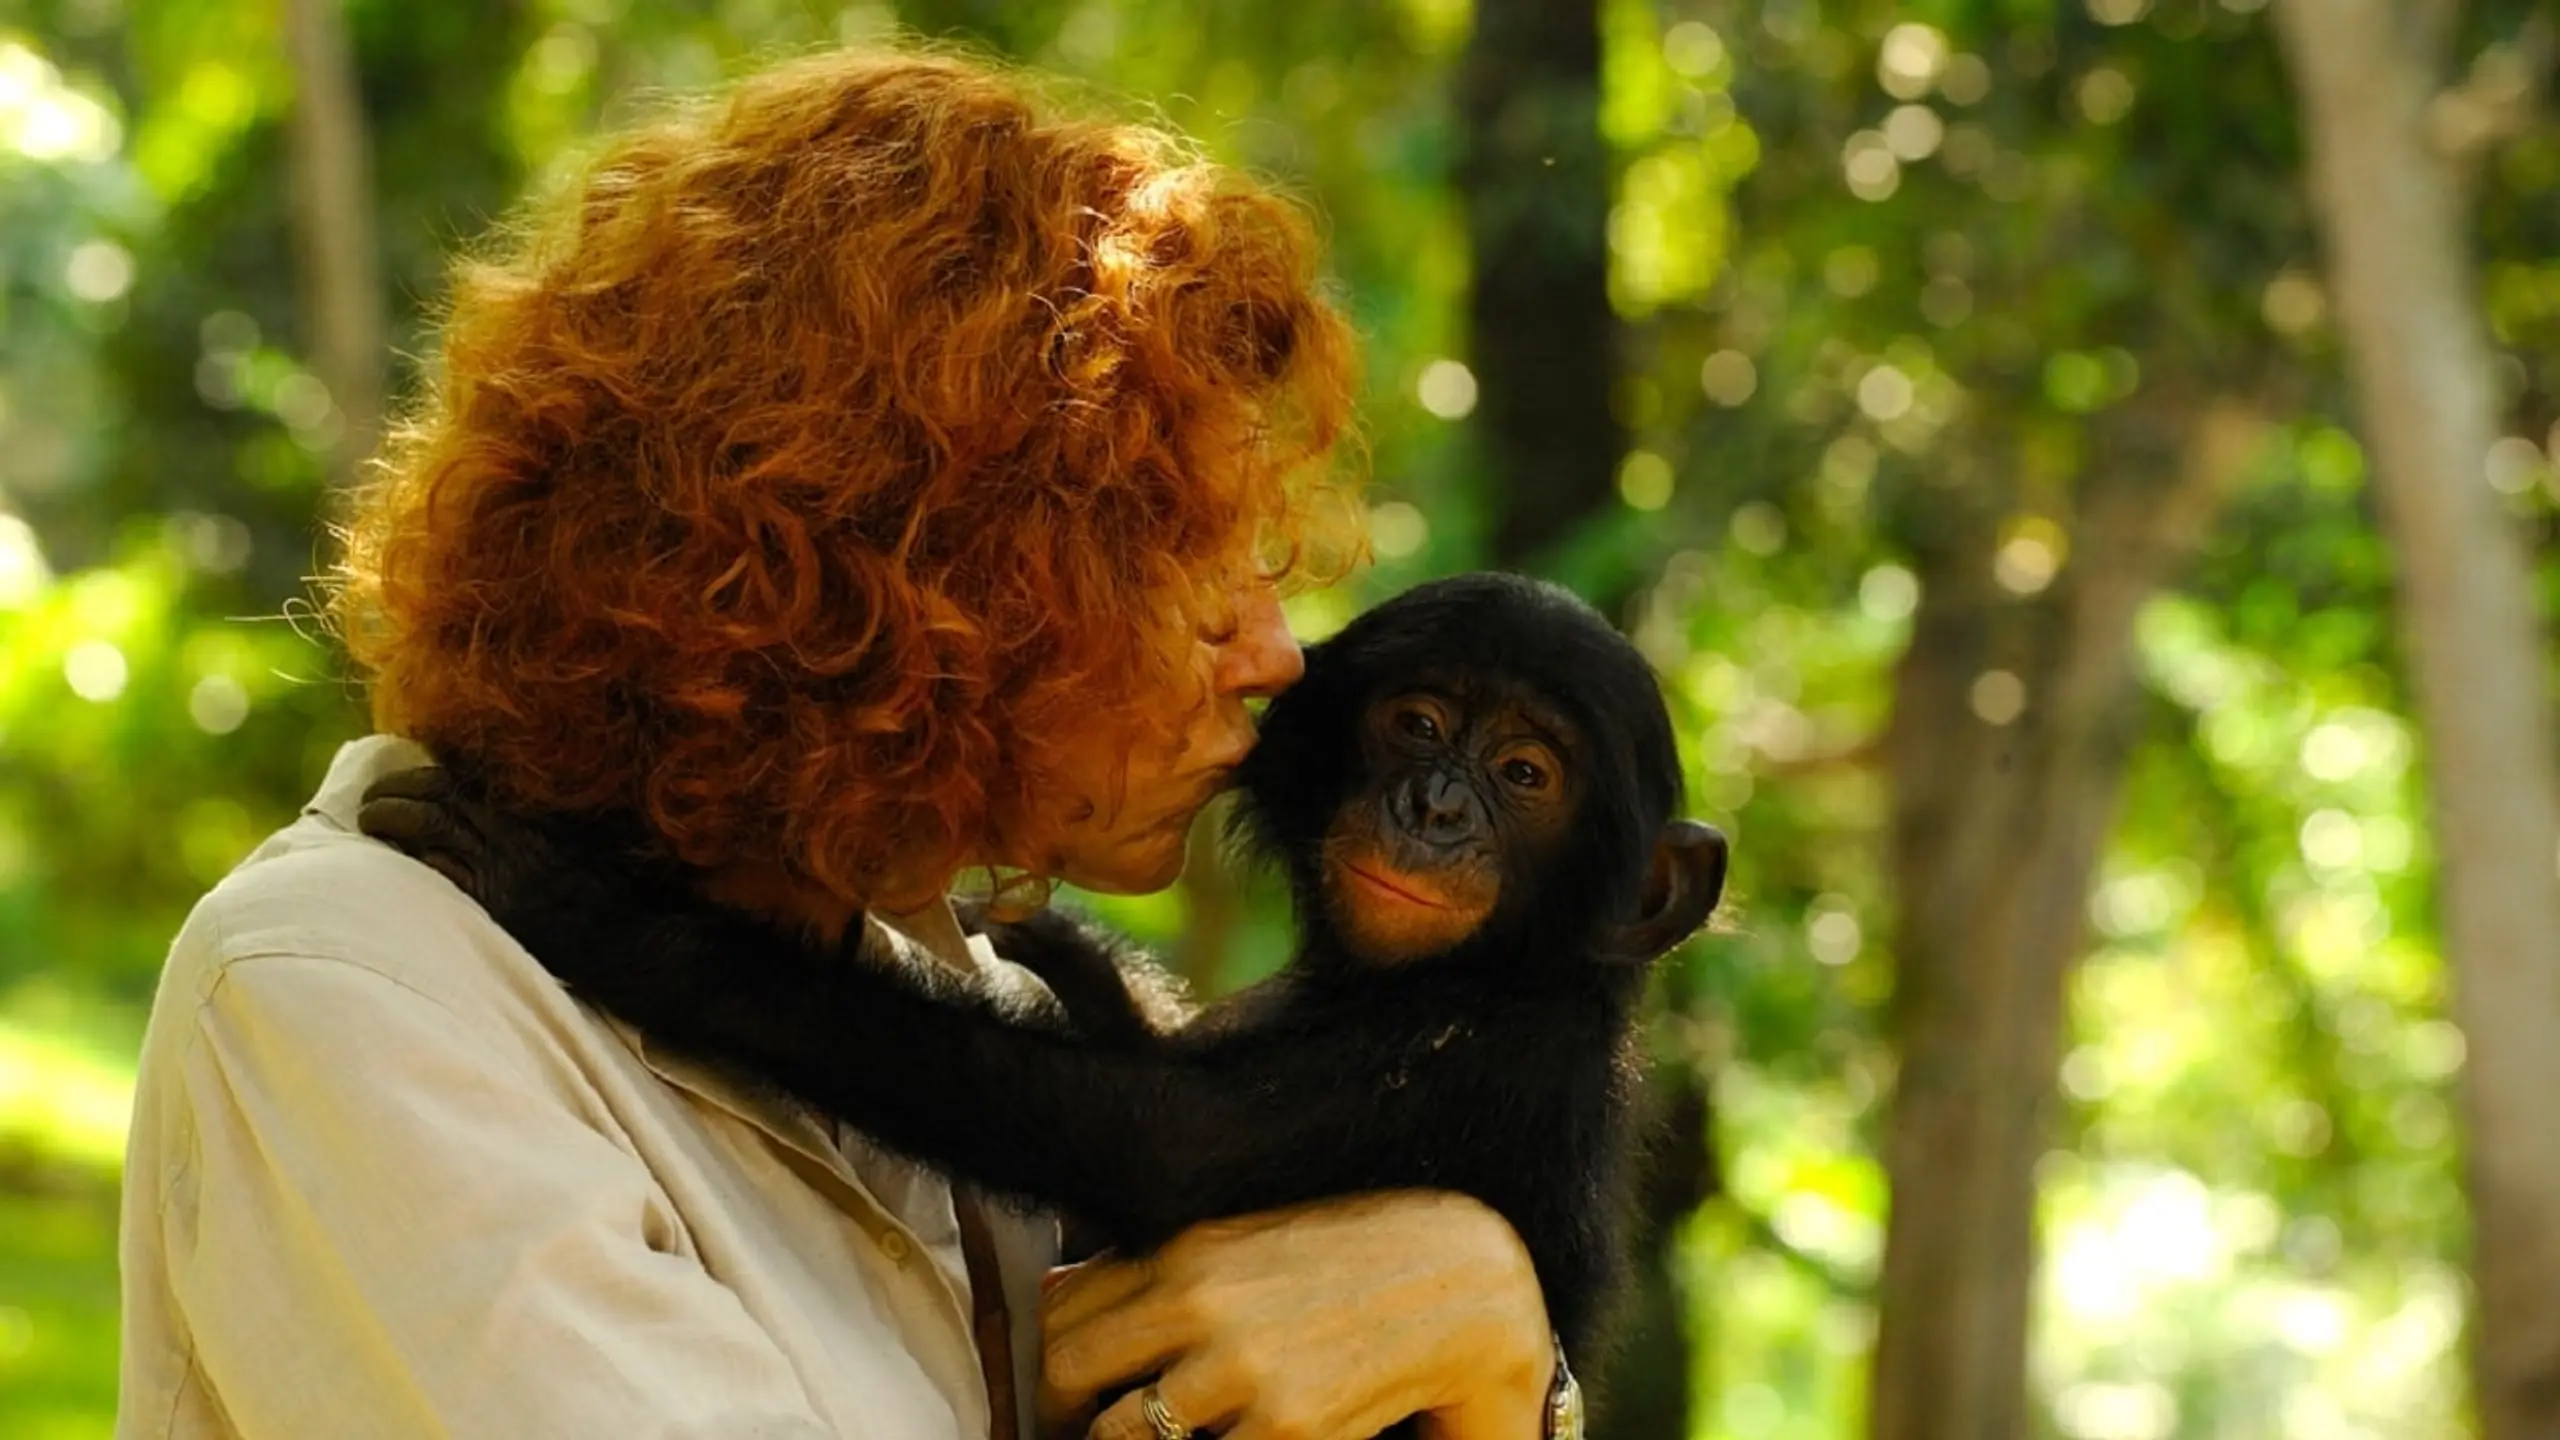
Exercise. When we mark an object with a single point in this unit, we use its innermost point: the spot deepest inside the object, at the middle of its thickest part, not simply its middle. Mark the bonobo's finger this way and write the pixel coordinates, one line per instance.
(419, 808)
(419, 824)
(434, 834)
(463, 877)
(418, 782)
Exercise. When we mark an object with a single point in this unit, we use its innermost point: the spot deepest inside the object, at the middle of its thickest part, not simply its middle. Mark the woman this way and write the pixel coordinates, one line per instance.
(870, 477)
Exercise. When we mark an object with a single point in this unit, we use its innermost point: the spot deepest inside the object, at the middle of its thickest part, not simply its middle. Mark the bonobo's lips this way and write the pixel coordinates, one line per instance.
(1400, 892)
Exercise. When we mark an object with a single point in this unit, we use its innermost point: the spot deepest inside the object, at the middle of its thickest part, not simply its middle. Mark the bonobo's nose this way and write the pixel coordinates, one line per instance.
(1448, 809)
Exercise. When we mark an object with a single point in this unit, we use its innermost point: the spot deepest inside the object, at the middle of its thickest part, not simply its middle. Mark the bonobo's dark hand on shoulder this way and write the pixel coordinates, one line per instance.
(587, 895)
(510, 862)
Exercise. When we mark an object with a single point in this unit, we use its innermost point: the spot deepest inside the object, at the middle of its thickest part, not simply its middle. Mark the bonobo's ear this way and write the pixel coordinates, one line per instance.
(1680, 892)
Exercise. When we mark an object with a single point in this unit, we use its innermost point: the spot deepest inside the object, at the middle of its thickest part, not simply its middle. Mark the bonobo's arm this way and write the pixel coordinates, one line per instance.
(1111, 991)
(1141, 1140)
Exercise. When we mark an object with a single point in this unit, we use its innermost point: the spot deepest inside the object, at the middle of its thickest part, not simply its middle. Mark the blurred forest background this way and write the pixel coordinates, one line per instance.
(2084, 470)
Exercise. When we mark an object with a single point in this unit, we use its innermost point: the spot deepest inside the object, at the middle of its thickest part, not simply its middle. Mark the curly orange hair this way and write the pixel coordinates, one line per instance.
(828, 445)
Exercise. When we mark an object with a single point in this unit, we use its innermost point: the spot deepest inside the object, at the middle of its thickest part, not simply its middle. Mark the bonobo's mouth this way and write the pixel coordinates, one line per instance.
(1390, 887)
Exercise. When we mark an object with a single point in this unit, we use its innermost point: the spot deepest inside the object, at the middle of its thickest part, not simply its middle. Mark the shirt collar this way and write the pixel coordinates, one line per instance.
(353, 770)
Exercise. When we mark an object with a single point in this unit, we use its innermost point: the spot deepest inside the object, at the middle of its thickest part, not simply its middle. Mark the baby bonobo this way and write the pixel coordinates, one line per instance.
(1474, 795)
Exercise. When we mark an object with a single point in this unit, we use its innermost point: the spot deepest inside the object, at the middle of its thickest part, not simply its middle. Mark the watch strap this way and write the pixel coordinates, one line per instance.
(1564, 1400)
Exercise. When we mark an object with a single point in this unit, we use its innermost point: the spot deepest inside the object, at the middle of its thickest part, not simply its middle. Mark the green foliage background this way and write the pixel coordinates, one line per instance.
(1861, 250)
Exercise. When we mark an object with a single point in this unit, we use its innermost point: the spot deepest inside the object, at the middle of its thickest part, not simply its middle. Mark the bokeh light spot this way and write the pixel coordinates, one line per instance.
(1910, 61)
(23, 572)
(96, 670)
(2104, 95)
(1645, 480)
(1889, 592)
(2032, 549)
(1851, 271)
(218, 705)
(1447, 389)
(2514, 465)
(1397, 530)
(2293, 303)
(1728, 377)
(98, 271)
(1967, 80)
(1692, 49)
(1998, 697)
(2332, 840)
(1831, 930)
(1868, 166)
(1885, 393)
(1758, 528)
(1913, 132)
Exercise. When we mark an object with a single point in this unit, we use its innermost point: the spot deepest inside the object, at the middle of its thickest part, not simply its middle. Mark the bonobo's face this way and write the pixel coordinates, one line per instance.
(1458, 786)
(1481, 758)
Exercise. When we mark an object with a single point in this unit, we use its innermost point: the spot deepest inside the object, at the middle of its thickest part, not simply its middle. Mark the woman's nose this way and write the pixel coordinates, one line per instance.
(1262, 658)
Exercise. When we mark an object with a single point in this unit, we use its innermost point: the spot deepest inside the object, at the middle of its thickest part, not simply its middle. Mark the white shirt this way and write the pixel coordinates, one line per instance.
(387, 1179)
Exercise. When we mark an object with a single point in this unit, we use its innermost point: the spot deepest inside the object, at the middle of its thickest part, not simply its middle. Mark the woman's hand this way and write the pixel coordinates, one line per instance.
(1319, 1322)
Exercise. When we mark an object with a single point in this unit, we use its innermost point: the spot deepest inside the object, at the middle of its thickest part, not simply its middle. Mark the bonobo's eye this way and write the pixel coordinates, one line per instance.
(1524, 774)
(1418, 723)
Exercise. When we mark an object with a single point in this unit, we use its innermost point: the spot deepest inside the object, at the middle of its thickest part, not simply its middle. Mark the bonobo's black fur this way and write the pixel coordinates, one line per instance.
(1499, 1067)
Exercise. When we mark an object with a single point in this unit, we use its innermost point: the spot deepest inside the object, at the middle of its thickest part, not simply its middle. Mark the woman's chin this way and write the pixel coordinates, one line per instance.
(1141, 866)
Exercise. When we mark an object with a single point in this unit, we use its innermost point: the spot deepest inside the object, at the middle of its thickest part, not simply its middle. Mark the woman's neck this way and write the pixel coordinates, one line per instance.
(778, 895)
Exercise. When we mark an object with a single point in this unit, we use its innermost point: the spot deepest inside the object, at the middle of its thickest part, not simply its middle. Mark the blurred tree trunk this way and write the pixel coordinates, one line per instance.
(2005, 756)
(2396, 218)
(340, 274)
(1534, 175)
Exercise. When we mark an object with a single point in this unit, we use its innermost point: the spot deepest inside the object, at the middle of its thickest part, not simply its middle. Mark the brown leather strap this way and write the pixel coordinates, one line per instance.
(993, 1327)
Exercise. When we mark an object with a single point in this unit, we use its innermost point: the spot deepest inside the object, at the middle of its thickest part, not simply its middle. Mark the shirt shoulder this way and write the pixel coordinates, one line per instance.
(317, 891)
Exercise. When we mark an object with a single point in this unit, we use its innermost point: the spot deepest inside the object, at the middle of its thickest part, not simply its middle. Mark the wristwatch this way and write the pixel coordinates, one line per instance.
(1564, 1400)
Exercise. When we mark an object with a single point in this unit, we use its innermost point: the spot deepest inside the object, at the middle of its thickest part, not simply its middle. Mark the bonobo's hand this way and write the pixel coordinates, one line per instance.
(604, 909)
(424, 814)
(537, 876)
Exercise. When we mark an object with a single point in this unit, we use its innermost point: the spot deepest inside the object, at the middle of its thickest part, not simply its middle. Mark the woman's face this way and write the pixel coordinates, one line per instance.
(1115, 814)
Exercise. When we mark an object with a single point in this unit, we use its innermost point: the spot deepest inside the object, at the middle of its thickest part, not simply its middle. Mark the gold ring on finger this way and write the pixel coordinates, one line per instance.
(1151, 1405)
